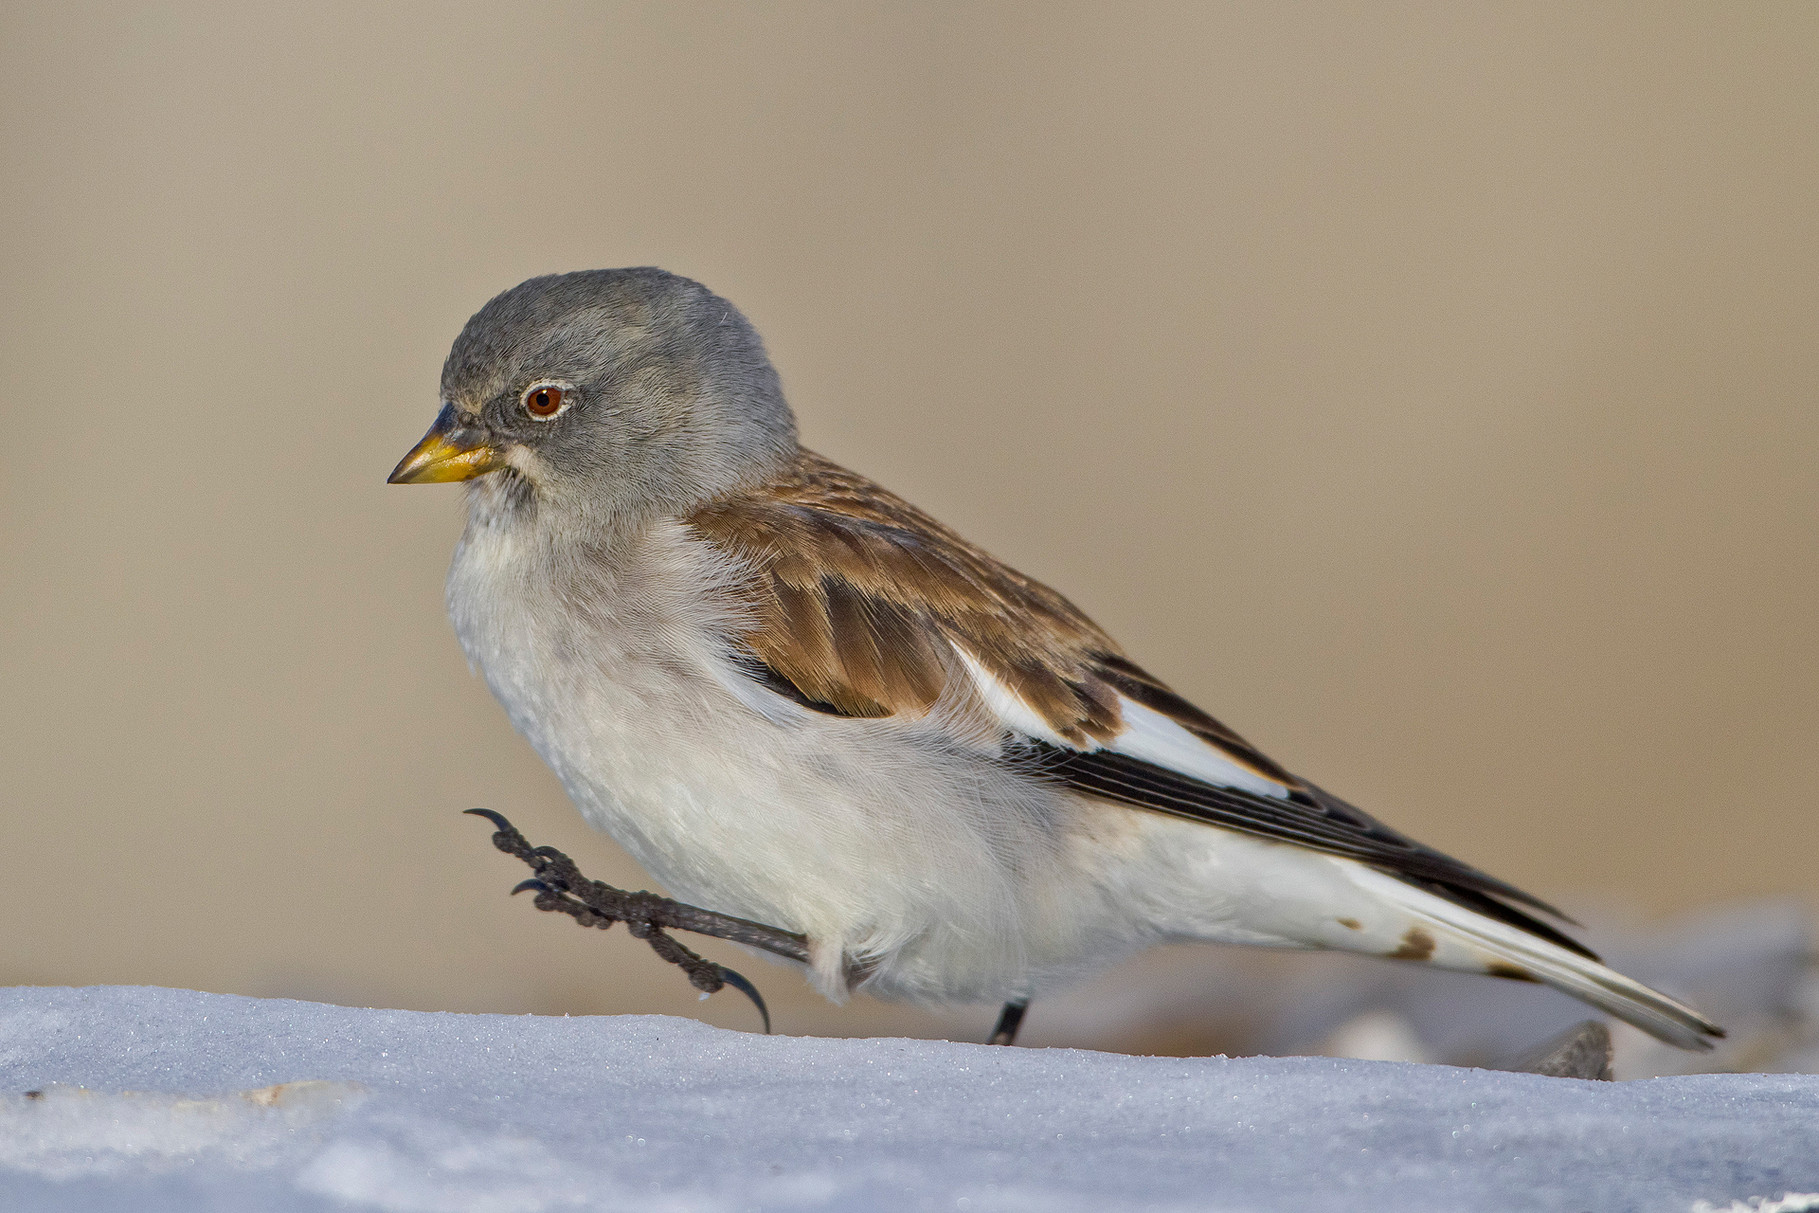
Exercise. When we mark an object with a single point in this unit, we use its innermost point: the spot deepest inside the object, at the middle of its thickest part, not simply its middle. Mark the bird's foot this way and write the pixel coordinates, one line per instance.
(560, 886)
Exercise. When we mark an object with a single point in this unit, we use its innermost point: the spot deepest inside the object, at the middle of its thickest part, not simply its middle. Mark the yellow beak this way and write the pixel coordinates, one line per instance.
(448, 452)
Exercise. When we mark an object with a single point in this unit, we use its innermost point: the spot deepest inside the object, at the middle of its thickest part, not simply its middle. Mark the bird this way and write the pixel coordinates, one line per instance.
(796, 698)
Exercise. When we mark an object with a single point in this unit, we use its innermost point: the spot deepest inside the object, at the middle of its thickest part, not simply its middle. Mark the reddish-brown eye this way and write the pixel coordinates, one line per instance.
(544, 400)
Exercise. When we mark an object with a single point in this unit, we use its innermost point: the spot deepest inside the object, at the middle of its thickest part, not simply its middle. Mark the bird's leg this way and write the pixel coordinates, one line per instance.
(560, 886)
(1009, 1020)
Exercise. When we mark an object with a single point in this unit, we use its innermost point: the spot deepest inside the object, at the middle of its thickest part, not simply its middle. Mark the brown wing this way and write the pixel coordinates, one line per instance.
(862, 596)
(861, 600)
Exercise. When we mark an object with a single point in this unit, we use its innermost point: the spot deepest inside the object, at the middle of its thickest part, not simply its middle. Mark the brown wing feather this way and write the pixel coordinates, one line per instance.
(860, 594)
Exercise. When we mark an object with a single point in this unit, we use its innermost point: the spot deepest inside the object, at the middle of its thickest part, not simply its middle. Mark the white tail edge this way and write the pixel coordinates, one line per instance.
(1500, 945)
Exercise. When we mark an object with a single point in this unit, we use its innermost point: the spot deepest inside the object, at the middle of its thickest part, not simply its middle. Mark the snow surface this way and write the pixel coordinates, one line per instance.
(150, 1099)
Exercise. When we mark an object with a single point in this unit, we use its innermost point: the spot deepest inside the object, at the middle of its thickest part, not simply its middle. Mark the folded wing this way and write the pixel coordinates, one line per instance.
(864, 606)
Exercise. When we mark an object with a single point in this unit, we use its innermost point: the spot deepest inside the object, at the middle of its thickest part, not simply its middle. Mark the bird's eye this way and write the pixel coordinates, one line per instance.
(544, 400)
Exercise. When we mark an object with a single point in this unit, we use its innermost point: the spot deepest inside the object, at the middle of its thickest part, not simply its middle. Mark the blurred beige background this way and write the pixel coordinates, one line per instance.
(1431, 391)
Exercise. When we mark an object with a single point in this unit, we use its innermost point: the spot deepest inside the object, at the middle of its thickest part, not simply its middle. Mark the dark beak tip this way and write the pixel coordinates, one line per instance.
(403, 472)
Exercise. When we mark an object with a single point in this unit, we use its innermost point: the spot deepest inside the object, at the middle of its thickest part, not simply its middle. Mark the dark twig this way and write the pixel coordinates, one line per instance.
(561, 887)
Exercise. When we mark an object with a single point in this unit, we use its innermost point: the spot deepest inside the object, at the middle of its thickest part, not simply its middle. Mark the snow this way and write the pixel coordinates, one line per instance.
(151, 1099)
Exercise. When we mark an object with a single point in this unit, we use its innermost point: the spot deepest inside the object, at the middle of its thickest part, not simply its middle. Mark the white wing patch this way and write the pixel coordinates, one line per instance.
(1148, 735)
(1153, 737)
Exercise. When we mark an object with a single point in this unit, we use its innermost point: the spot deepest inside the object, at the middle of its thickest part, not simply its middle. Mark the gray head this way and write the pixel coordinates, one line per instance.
(617, 394)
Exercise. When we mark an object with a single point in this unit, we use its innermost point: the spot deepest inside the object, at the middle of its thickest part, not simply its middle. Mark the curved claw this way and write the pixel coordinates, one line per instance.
(498, 819)
(750, 991)
(533, 884)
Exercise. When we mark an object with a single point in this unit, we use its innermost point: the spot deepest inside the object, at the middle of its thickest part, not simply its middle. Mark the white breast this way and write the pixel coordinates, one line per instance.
(879, 839)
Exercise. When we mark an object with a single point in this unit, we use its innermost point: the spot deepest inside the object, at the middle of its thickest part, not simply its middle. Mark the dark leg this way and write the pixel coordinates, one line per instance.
(560, 886)
(1009, 1020)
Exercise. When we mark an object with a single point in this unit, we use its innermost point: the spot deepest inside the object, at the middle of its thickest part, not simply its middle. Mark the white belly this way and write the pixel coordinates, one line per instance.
(883, 841)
